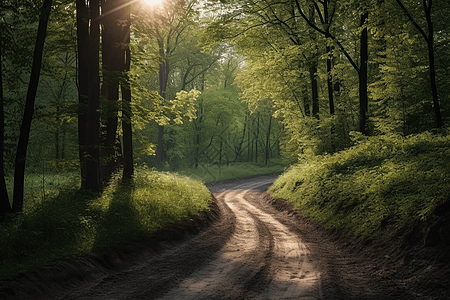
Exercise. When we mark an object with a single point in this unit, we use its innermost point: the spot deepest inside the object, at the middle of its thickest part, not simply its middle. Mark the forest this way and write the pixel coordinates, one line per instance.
(354, 95)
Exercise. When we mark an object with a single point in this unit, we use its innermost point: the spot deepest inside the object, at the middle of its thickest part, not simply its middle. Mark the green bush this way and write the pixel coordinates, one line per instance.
(383, 182)
(209, 173)
(73, 222)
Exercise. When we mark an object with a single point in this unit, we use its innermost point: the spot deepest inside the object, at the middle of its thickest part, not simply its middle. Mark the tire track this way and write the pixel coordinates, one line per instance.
(245, 254)
(262, 260)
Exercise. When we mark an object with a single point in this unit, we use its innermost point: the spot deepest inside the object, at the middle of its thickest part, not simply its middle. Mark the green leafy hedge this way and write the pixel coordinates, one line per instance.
(382, 182)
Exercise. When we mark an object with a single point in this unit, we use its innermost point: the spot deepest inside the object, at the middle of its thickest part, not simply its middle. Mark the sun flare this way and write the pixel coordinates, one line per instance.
(153, 2)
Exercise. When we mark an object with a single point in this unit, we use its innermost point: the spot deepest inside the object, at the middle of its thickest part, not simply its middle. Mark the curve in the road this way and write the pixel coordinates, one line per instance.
(262, 260)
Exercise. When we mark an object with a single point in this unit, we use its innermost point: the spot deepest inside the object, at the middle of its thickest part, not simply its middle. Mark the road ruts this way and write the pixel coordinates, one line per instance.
(244, 254)
(263, 259)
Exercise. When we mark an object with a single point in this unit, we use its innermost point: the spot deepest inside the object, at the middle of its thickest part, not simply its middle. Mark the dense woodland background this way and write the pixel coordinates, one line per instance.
(95, 86)
(107, 105)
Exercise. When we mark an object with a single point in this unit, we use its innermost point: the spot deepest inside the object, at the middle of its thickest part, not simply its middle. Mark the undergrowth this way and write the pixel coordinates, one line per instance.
(382, 183)
(73, 223)
(211, 173)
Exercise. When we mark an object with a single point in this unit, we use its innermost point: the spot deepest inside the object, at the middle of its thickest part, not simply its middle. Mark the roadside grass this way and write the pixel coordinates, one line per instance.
(71, 222)
(210, 173)
(382, 183)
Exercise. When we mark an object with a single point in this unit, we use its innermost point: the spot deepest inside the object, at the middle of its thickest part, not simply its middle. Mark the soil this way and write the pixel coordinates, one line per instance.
(251, 246)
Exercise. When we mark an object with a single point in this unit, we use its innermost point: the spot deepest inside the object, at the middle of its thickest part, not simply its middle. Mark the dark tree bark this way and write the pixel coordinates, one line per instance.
(198, 125)
(314, 89)
(313, 71)
(362, 69)
(256, 139)
(363, 96)
(21, 154)
(427, 5)
(5, 206)
(163, 78)
(249, 141)
(239, 148)
(268, 139)
(93, 172)
(113, 60)
(128, 167)
(430, 44)
(329, 50)
(83, 83)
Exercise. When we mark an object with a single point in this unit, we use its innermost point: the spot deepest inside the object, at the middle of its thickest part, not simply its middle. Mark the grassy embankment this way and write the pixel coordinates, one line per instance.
(59, 221)
(382, 183)
(212, 173)
(71, 223)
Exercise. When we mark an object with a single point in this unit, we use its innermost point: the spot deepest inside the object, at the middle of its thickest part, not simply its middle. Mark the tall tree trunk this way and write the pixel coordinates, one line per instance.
(163, 78)
(314, 88)
(256, 140)
(329, 50)
(220, 152)
(434, 91)
(268, 139)
(198, 124)
(249, 140)
(238, 151)
(5, 206)
(113, 60)
(21, 154)
(83, 83)
(430, 43)
(93, 172)
(128, 167)
(363, 95)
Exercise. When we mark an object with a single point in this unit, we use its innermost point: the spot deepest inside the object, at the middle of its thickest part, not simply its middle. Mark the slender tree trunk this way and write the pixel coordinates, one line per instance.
(5, 206)
(21, 154)
(163, 78)
(128, 164)
(434, 91)
(430, 43)
(238, 151)
(93, 172)
(363, 95)
(83, 83)
(249, 158)
(220, 152)
(113, 60)
(314, 89)
(198, 123)
(328, 16)
(256, 140)
(330, 79)
(268, 139)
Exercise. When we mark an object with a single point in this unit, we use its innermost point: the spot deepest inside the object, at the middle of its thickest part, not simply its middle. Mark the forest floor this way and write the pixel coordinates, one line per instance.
(248, 246)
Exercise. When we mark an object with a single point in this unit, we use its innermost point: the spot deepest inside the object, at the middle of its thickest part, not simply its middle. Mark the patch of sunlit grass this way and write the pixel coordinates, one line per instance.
(210, 173)
(383, 183)
(73, 223)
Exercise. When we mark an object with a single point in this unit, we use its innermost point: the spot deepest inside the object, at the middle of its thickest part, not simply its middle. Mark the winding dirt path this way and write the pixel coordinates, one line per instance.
(246, 254)
(263, 259)
(256, 248)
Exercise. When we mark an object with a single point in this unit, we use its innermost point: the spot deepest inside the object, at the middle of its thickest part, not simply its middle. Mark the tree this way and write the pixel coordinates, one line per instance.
(19, 171)
(83, 84)
(128, 165)
(164, 28)
(5, 206)
(429, 39)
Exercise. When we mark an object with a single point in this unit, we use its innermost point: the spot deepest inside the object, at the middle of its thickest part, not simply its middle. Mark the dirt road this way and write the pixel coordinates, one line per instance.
(262, 259)
(256, 248)
(247, 254)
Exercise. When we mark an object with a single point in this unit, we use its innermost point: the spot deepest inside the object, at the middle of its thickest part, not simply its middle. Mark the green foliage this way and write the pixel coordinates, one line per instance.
(212, 173)
(382, 182)
(71, 223)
